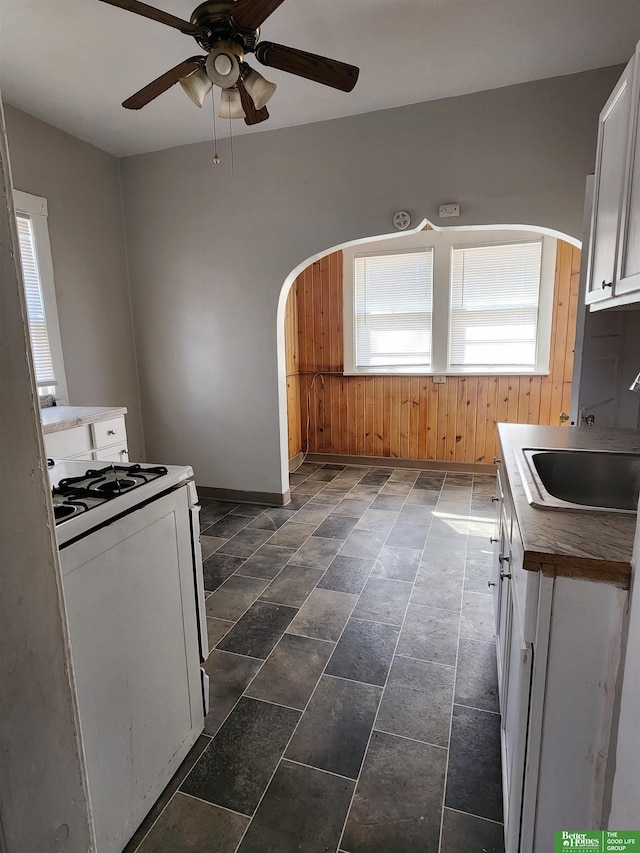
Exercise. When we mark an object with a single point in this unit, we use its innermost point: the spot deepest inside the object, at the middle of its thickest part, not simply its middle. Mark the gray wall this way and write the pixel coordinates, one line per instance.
(209, 253)
(82, 188)
(43, 796)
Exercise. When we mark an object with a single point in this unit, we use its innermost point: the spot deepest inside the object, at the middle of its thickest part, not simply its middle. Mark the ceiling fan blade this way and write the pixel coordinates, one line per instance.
(252, 115)
(162, 83)
(329, 72)
(156, 15)
(250, 14)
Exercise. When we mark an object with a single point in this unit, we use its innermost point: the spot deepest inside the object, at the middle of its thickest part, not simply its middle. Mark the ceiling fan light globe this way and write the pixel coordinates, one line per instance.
(197, 86)
(223, 67)
(231, 105)
(260, 89)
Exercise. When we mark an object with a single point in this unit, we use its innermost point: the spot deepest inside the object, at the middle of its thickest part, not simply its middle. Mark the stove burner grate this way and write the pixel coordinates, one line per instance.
(73, 495)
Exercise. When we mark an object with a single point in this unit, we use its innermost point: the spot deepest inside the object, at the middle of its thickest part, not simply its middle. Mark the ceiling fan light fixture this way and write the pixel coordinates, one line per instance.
(197, 86)
(231, 105)
(260, 89)
(223, 64)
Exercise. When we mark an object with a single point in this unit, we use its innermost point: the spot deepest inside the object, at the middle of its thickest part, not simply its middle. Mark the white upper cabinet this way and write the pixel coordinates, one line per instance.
(613, 132)
(614, 247)
(628, 279)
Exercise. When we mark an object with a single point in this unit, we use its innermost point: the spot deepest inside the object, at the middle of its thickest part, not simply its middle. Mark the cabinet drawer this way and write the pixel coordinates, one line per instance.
(117, 454)
(106, 433)
(67, 442)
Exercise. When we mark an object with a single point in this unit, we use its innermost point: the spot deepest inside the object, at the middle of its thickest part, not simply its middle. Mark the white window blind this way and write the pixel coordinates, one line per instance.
(495, 290)
(393, 302)
(42, 360)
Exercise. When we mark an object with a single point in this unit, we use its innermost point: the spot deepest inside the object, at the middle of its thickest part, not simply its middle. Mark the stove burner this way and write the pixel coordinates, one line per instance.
(117, 486)
(62, 511)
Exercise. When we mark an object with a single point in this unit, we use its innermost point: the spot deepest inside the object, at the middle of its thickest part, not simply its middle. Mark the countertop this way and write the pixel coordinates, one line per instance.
(57, 418)
(592, 545)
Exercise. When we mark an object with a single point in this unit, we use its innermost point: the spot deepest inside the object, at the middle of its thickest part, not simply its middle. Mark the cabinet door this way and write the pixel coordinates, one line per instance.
(628, 278)
(515, 718)
(610, 166)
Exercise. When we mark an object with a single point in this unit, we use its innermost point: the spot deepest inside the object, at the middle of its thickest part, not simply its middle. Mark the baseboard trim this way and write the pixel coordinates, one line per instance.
(242, 497)
(392, 462)
(296, 461)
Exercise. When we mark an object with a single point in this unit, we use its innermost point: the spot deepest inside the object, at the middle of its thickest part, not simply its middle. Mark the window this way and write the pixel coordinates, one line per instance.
(37, 273)
(393, 295)
(494, 305)
(474, 301)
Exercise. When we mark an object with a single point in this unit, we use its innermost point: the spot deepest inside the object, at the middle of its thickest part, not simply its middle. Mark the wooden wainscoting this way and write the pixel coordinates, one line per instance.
(411, 417)
(294, 406)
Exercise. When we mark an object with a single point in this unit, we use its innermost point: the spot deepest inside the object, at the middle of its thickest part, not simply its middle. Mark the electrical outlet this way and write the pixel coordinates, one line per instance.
(448, 210)
(439, 380)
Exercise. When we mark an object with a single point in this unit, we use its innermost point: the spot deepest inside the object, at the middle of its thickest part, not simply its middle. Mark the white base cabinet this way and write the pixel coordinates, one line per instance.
(558, 651)
(103, 441)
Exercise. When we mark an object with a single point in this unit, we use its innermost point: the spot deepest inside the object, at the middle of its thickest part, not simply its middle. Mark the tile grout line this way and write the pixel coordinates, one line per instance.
(412, 739)
(171, 798)
(384, 687)
(453, 698)
(319, 769)
(213, 805)
(479, 817)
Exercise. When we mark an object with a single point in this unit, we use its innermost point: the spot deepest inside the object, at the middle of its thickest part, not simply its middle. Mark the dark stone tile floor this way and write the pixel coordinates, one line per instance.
(353, 689)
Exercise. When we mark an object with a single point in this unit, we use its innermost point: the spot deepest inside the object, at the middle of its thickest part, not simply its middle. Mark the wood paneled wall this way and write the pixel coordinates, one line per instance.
(411, 417)
(294, 407)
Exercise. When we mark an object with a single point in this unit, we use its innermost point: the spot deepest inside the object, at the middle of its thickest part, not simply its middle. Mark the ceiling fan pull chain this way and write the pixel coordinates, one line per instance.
(216, 157)
(233, 170)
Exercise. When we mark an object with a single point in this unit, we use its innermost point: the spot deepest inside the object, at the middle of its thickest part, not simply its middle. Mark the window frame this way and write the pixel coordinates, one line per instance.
(442, 242)
(36, 208)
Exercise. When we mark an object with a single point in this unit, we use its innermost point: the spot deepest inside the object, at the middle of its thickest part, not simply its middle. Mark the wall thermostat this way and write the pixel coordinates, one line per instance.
(401, 220)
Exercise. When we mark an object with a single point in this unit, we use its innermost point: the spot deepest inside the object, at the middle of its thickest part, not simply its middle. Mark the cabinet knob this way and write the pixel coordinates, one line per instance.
(607, 284)
(491, 583)
(495, 500)
(504, 576)
(497, 461)
(503, 559)
(111, 432)
(492, 540)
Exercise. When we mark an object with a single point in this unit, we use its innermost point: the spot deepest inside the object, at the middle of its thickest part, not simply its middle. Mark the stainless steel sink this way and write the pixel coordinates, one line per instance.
(581, 479)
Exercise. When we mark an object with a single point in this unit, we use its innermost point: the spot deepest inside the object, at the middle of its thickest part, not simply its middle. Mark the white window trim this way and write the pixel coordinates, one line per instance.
(442, 243)
(36, 208)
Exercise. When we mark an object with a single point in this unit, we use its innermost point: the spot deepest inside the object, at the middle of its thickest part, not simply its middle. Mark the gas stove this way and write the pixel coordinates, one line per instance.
(94, 486)
(88, 494)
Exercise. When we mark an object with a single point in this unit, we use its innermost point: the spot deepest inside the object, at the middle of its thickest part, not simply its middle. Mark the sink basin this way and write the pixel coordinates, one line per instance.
(582, 479)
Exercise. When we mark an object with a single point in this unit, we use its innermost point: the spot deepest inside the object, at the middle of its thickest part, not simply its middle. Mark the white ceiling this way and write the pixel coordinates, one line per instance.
(72, 62)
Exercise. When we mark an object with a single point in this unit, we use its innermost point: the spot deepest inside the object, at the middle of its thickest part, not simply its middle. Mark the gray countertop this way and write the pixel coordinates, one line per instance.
(57, 418)
(575, 543)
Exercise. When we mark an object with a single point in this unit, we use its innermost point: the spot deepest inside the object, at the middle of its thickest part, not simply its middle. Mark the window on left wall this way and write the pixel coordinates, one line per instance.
(40, 296)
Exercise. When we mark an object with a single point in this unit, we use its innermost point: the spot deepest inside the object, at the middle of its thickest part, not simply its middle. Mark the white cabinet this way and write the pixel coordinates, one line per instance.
(558, 650)
(628, 278)
(613, 275)
(102, 441)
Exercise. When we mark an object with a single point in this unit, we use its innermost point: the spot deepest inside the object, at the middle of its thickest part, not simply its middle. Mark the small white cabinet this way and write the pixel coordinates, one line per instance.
(613, 273)
(83, 433)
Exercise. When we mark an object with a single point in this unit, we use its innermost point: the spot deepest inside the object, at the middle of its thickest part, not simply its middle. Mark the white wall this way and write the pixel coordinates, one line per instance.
(82, 188)
(43, 796)
(209, 253)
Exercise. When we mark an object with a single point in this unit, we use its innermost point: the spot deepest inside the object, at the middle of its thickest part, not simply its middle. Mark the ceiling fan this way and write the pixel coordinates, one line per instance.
(227, 30)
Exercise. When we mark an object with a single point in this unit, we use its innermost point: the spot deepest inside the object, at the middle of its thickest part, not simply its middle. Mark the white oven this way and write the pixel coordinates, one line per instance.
(134, 596)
